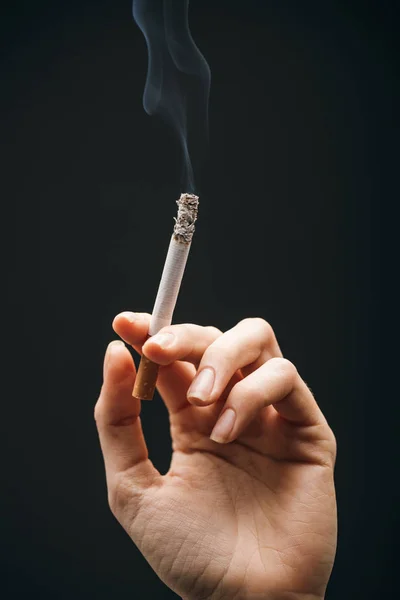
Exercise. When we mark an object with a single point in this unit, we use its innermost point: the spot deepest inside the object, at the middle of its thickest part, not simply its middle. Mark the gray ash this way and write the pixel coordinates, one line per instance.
(187, 215)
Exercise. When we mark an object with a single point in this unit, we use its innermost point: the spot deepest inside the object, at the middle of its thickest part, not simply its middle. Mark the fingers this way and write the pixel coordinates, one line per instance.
(246, 346)
(133, 328)
(275, 383)
(186, 342)
(175, 342)
(219, 356)
(117, 419)
(243, 365)
(188, 345)
(174, 380)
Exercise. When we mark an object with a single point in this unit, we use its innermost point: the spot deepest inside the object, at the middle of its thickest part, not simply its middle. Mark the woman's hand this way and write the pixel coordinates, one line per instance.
(249, 513)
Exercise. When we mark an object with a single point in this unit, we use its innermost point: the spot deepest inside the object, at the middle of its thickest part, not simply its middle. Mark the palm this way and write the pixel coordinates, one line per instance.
(238, 512)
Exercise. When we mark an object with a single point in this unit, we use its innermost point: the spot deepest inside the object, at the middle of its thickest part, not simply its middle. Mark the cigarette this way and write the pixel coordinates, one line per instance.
(168, 289)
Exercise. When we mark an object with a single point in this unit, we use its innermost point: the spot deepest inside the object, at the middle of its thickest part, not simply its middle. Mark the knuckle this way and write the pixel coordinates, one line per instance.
(285, 367)
(214, 331)
(259, 325)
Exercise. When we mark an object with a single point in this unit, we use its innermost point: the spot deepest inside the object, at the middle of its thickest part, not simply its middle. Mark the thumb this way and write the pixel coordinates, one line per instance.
(118, 423)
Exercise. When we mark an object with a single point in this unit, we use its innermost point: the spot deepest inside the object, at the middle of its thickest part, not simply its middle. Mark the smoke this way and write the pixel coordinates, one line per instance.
(178, 77)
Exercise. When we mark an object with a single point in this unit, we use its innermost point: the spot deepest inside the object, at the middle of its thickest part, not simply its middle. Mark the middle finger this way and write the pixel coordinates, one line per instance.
(245, 347)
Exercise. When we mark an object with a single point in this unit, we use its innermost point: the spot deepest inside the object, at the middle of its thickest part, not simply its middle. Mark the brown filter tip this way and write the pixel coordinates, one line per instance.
(146, 379)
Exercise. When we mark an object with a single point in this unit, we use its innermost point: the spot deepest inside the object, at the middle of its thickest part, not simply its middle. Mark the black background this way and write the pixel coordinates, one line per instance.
(293, 196)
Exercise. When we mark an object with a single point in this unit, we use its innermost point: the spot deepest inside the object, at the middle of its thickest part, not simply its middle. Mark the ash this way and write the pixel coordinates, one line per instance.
(187, 215)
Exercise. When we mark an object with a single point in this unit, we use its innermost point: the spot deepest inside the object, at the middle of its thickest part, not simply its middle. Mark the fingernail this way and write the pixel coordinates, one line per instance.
(223, 426)
(109, 352)
(163, 339)
(129, 316)
(115, 344)
(202, 385)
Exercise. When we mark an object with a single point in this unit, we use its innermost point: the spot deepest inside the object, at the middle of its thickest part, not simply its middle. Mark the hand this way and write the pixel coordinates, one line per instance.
(248, 514)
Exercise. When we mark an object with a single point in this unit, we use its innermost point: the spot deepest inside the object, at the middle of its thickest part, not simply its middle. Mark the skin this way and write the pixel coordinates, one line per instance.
(250, 516)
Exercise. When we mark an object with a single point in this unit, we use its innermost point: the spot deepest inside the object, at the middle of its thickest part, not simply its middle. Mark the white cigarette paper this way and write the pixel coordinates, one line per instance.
(175, 263)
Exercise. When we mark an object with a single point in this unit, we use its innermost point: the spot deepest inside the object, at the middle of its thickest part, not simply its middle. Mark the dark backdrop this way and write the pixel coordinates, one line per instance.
(292, 195)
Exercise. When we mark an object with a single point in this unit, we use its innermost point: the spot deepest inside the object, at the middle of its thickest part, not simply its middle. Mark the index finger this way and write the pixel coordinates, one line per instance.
(174, 379)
